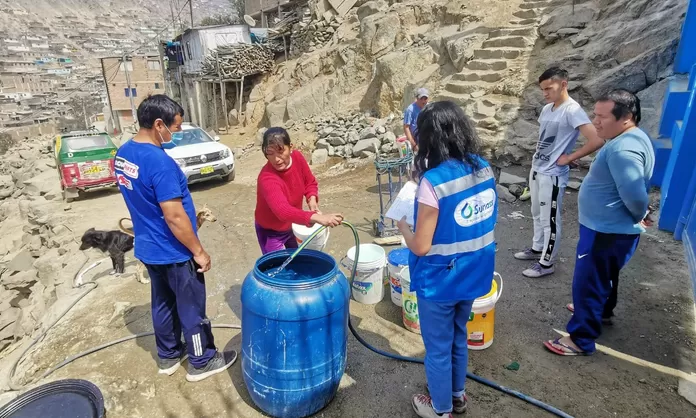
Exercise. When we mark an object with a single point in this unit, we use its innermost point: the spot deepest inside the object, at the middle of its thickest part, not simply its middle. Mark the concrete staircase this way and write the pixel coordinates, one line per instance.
(481, 87)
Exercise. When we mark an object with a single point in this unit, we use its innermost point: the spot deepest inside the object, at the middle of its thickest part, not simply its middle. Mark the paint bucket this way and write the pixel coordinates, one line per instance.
(409, 303)
(481, 325)
(368, 284)
(302, 233)
(397, 260)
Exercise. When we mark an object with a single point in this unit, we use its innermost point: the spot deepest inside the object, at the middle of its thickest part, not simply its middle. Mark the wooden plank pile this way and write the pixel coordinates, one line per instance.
(238, 60)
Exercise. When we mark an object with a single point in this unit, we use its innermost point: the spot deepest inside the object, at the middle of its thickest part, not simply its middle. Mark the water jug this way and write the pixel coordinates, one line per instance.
(294, 332)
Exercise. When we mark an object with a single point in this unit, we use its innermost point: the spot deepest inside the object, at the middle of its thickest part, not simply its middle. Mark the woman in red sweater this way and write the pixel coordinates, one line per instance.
(284, 182)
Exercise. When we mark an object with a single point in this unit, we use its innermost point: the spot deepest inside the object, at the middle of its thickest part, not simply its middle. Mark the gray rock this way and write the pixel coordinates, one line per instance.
(564, 17)
(389, 138)
(368, 133)
(322, 144)
(353, 137)
(507, 179)
(49, 267)
(331, 150)
(516, 190)
(27, 155)
(504, 194)
(320, 156)
(336, 141)
(326, 131)
(259, 136)
(381, 130)
(309, 126)
(525, 129)
(579, 41)
(370, 8)
(21, 262)
(348, 151)
(19, 280)
(366, 147)
(568, 31)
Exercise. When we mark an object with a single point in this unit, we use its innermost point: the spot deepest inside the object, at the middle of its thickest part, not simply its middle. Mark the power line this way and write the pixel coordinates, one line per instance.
(74, 90)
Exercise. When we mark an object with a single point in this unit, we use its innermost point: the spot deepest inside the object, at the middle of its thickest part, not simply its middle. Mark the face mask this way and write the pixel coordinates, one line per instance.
(167, 144)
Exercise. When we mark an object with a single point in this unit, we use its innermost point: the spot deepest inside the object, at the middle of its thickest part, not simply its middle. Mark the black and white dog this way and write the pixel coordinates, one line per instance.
(115, 243)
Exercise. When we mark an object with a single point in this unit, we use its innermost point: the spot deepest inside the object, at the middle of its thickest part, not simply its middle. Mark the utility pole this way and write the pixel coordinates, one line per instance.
(130, 90)
(190, 2)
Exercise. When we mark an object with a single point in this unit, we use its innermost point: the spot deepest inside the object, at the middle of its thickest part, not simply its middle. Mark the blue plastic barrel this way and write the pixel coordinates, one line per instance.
(294, 333)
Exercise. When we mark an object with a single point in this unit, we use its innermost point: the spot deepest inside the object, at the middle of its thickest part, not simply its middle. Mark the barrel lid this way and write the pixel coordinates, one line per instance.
(399, 257)
(70, 398)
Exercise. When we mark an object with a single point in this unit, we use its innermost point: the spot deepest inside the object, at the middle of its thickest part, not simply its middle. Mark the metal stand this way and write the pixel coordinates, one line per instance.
(397, 172)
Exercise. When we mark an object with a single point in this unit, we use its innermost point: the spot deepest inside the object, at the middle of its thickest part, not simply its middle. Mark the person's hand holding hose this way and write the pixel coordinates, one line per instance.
(330, 219)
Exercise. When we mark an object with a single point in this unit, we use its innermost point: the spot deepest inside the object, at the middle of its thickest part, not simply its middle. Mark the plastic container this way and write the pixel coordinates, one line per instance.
(397, 260)
(70, 398)
(409, 303)
(404, 146)
(368, 284)
(302, 232)
(481, 325)
(294, 333)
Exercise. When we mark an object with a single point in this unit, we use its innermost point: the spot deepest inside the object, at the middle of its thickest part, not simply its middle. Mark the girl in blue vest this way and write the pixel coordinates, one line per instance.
(453, 249)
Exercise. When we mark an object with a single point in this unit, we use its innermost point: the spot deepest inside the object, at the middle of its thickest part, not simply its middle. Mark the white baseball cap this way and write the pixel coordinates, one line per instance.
(422, 92)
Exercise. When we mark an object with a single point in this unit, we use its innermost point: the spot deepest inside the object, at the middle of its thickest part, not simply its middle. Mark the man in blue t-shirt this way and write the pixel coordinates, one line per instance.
(411, 117)
(613, 209)
(164, 223)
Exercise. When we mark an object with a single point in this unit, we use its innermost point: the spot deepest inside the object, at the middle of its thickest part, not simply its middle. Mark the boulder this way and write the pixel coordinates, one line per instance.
(634, 75)
(504, 194)
(259, 136)
(336, 141)
(353, 137)
(371, 8)
(233, 117)
(389, 138)
(516, 190)
(366, 147)
(320, 156)
(313, 99)
(391, 80)
(378, 33)
(368, 133)
(19, 280)
(508, 179)
(276, 112)
(525, 129)
(564, 17)
(578, 41)
(322, 144)
(47, 182)
(651, 100)
(49, 267)
(23, 261)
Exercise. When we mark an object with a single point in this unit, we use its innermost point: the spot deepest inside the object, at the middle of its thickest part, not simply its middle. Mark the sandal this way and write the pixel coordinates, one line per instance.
(566, 351)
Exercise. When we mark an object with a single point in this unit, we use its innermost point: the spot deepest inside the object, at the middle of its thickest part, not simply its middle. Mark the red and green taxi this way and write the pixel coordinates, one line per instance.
(85, 161)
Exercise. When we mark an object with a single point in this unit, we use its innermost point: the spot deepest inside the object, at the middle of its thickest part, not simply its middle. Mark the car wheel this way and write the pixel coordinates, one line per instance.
(229, 177)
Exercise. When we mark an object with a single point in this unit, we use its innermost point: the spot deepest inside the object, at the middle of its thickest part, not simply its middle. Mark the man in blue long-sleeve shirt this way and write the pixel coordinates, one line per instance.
(613, 207)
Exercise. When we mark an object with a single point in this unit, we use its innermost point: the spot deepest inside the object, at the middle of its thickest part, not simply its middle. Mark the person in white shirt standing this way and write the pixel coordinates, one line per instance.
(561, 121)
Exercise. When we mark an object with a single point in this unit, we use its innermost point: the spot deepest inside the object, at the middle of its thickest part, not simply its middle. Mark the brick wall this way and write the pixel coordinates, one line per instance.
(145, 75)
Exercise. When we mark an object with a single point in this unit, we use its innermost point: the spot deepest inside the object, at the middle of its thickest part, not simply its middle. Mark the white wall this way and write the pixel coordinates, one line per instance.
(203, 41)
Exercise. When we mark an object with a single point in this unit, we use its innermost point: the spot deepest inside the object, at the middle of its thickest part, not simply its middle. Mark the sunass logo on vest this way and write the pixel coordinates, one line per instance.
(475, 209)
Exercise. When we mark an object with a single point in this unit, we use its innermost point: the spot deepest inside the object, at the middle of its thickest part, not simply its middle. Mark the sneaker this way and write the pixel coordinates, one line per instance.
(169, 366)
(526, 194)
(219, 363)
(537, 270)
(528, 254)
(459, 404)
(423, 406)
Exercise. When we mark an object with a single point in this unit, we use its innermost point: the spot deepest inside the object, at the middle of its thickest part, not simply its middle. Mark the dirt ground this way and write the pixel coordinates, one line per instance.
(654, 323)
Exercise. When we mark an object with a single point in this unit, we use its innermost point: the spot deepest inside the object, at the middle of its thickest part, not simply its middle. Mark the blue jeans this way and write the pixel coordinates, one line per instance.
(600, 258)
(178, 305)
(443, 328)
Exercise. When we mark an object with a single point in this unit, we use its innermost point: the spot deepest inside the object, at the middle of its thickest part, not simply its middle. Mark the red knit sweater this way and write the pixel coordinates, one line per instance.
(279, 195)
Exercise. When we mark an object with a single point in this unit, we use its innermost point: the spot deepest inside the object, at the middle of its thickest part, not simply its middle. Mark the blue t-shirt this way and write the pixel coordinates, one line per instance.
(146, 177)
(614, 197)
(411, 119)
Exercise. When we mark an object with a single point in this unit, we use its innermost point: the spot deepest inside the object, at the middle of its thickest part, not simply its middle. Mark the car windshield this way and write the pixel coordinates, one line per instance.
(190, 137)
(87, 143)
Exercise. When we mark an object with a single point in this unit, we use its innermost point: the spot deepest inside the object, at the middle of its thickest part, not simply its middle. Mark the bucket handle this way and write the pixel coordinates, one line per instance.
(500, 285)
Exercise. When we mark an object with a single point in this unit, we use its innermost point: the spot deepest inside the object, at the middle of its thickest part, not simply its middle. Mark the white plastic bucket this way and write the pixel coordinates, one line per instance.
(409, 303)
(481, 325)
(396, 261)
(302, 233)
(368, 284)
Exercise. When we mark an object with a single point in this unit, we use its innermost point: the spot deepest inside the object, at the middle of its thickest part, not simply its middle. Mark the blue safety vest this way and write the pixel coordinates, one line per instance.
(461, 261)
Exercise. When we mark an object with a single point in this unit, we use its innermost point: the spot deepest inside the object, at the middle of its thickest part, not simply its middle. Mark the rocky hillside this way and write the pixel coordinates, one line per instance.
(485, 56)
